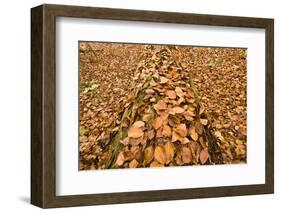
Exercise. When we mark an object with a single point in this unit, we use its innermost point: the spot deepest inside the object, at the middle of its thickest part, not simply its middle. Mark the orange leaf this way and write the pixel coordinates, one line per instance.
(156, 164)
(133, 164)
(159, 154)
(139, 124)
(179, 92)
(135, 132)
(170, 151)
(157, 123)
(181, 130)
(163, 80)
(161, 105)
(167, 131)
(120, 159)
(186, 155)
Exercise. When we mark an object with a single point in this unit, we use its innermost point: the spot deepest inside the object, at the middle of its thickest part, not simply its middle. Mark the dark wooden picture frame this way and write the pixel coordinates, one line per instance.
(43, 105)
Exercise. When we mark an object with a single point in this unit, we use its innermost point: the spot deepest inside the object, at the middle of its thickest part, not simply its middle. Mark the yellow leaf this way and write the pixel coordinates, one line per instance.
(193, 133)
(204, 122)
(148, 155)
(159, 154)
(133, 164)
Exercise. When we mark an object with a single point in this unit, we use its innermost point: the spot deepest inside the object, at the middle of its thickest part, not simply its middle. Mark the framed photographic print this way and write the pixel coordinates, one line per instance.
(135, 106)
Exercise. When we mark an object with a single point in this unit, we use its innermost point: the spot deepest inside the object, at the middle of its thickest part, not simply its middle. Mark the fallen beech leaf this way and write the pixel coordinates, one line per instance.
(133, 164)
(148, 155)
(185, 141)
(169, 151)
(139, 124)
(161, 105)
(163, 80)
(186, 155)
(159, 154)
(120, 159)
(176, 110)
(125, 141)
(181, 130)
(176, 137)
(156, 164)
(135, 132)
(193, 133)
(149, 91)
(167, 131)
(179, 92)
(204, 155)
(157, 123)
(204, 122)
(150, 134)
(171, 94)
(146, 117)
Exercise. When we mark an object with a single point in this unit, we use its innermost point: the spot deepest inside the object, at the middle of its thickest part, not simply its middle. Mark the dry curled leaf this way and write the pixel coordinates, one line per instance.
(204, 155)
(176, 110)
(159, 154)
(120, 159)
(179, 92)
(149, 91)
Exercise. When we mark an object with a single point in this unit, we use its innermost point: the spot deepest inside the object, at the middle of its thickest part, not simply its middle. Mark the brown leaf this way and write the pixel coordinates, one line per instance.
(163, 80)
(167, 131)
(120, 159)
(179, 92)
(133, 164)
(176, 110)
(171, 94)
(181, 130)
(157, 123)
(135, 132)
(125, 141)
(150, 134)
(176, 137)
(146, 117)
(204, 155)
(170, 151)
(156, 164)
(186, 155)
(193, 133)
(148, 155)
(139, 124)
(159, 154)
(161, 105)
(204, 122)
(149, 91)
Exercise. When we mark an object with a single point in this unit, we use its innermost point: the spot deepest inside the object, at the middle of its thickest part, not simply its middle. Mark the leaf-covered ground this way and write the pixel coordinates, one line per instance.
(155, 106)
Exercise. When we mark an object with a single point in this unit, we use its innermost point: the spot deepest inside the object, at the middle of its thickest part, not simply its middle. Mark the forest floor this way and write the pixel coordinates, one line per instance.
(154, 105)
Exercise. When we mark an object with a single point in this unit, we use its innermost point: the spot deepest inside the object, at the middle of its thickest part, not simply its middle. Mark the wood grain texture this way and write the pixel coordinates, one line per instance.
(43, 105)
